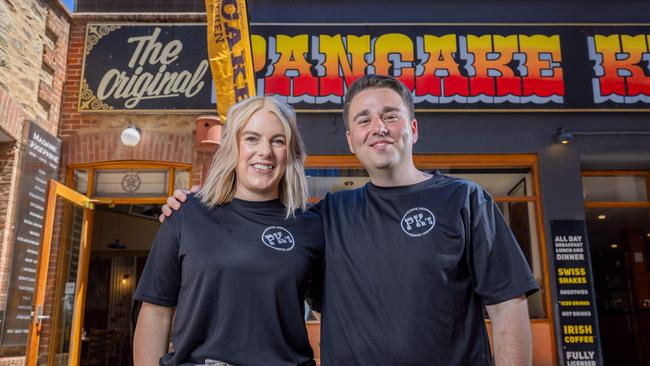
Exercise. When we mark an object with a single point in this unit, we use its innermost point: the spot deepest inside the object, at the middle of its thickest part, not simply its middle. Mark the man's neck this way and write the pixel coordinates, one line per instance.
(396, 178)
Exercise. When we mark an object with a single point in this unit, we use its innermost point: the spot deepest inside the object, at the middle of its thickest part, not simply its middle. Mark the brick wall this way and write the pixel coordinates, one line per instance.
(33, 52)
(33, 49)
(54, 59)
(11, 116)
(94, 137)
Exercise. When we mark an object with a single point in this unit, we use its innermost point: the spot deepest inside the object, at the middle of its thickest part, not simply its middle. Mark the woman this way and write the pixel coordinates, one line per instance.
(235, 261)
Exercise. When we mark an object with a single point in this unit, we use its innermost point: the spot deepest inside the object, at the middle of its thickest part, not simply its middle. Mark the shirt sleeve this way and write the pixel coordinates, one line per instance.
(498, 267)
(161, 279)
(318, 207)
(314, 293)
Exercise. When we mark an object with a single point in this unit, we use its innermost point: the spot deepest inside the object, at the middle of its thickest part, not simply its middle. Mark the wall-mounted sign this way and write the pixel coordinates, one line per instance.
(145, 67)
(40, 164)
(578, 333)
(448, 67)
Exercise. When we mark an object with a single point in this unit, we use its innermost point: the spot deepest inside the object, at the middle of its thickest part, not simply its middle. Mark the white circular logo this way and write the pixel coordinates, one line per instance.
(418, 221)
(278, 238)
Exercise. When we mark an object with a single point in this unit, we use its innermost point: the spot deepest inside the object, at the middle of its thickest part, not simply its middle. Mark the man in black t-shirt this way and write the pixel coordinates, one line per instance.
(412, 259)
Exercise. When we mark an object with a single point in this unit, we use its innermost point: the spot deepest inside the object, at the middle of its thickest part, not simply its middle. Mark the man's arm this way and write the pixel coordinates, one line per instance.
(511, 332)
(174, 202)
(151, 339)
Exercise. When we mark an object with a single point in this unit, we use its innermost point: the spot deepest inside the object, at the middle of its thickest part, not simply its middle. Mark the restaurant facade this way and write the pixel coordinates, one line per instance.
(546, 105)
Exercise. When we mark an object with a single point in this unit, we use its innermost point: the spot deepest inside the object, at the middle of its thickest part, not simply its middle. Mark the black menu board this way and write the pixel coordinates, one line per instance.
(40, 164)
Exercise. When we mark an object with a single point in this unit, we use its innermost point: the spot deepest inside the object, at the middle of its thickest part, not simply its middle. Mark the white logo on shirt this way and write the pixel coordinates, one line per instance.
(418, 221)
(278, 238)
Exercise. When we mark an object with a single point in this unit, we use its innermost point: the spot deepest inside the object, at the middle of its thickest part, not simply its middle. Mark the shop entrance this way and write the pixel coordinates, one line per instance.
(87, 273)
(66, 233)
(618, 223)
(121, 241)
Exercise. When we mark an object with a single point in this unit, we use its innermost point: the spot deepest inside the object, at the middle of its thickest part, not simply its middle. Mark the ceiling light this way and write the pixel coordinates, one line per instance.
(613, 245)
(117, 244)
(130, 136)
(563, 136)
(602, 217)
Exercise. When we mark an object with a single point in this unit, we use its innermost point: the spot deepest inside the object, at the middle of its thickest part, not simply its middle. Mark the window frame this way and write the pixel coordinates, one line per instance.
(131, 164)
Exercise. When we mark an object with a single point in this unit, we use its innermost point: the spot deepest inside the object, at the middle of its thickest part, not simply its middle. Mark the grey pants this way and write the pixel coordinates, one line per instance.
(215, 363)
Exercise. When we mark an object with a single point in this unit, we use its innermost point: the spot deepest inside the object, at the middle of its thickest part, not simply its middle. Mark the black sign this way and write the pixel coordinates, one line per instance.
(40, 164)
(578, 331)
(448, 67)
(146, 67)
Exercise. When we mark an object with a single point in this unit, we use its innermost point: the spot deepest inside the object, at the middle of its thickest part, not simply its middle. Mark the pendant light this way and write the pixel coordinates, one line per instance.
(117, 244)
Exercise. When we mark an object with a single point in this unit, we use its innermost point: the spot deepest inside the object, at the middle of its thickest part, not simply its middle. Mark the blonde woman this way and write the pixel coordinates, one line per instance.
(235, 262)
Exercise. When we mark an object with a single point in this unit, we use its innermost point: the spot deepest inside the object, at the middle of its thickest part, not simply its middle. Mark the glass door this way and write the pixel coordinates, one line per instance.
(55, 332)
(618, 222)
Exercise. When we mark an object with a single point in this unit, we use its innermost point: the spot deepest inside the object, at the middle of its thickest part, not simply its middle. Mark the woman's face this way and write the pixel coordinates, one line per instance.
(262, 157)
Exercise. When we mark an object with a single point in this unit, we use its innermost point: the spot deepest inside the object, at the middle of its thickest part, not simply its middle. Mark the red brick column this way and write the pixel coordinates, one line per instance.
(57, 28)
(11, 116)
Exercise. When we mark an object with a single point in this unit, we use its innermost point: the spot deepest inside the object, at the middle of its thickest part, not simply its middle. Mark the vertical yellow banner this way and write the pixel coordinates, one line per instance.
(229, 52)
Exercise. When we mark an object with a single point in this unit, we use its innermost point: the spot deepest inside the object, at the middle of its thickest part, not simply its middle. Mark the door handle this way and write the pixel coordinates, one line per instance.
(38, 314)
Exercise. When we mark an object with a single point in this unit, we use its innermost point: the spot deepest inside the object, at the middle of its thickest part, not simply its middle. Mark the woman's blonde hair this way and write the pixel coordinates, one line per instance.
(219, 186)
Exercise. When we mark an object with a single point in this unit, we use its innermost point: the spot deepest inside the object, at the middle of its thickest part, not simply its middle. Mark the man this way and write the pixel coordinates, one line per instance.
(412, 258)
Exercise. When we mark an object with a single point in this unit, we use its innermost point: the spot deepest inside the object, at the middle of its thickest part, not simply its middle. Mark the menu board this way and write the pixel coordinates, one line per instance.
(579, 338)
(40, 164)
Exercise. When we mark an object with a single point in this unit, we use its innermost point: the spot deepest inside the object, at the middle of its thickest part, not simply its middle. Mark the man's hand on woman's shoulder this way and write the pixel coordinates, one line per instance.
(174, 202)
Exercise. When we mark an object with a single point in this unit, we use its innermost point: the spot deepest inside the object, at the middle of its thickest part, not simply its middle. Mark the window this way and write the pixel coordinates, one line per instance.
(128, 181)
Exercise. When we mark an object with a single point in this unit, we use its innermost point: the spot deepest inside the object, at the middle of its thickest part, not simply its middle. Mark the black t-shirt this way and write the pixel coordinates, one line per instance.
(237, 275)
(409, 270)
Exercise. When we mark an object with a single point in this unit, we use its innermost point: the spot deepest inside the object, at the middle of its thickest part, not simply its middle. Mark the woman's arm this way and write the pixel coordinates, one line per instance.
(151, 339)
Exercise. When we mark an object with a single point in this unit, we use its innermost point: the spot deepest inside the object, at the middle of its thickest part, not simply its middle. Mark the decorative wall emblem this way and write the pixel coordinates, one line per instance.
(88, 99)
(96, 32)
(131, 182)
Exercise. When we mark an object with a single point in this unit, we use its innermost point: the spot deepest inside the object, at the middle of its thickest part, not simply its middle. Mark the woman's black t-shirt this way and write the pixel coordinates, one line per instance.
(237, 275)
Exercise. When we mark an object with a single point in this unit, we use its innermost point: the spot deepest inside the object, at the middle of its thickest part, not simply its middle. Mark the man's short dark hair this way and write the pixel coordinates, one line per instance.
(376, 82)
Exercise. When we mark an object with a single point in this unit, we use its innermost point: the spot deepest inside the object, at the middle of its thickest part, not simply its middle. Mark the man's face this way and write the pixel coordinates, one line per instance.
(381, 133)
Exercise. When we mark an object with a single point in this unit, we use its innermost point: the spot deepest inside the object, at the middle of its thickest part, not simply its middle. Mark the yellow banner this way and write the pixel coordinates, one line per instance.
(229, 52)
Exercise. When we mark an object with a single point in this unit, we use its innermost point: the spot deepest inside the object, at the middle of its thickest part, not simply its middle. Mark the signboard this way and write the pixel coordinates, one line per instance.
(40, 164)
(146, 67)
(578, 331)
(449, 67)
